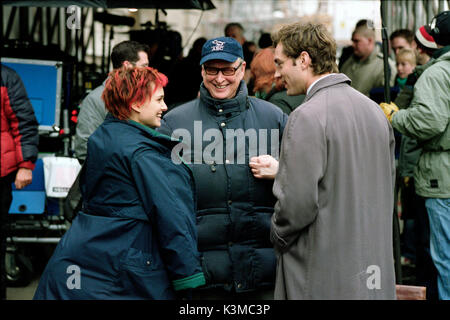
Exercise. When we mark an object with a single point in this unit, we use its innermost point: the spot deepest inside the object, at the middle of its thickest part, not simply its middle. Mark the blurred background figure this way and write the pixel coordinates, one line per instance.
(426, 45)
(406, 63)
(268, 88)
(92, 108)
(236, 30)
(406, 60)
(365, 67)
(402, 39)
(265, 40)
(416, 230)
(426, 120)
(348, 50)
(185, 77)
(19, 150)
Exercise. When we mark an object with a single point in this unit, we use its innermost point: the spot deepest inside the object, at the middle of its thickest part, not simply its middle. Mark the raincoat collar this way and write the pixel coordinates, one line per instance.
(152, 133)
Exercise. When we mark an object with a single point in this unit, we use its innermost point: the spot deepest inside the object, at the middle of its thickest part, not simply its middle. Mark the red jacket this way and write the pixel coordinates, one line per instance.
(19, 127)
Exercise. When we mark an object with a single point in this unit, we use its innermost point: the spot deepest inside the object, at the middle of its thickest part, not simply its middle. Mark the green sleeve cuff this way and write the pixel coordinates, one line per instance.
(193, 281)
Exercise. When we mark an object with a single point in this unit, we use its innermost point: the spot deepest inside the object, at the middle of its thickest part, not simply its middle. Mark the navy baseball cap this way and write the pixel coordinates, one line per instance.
(222, 48)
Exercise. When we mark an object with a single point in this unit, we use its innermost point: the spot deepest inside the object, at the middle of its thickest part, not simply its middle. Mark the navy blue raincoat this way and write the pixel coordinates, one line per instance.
(135, 237)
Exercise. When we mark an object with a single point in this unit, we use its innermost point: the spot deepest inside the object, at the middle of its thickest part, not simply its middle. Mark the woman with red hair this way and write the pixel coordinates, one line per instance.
(268, 88)
(135, 237)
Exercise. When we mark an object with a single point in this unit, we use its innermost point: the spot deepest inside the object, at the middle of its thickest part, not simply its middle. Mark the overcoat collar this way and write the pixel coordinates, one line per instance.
(326, 82)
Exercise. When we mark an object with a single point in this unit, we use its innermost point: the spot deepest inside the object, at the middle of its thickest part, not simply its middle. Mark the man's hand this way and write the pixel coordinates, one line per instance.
(389, 109)
(24, 177)
(264, 167)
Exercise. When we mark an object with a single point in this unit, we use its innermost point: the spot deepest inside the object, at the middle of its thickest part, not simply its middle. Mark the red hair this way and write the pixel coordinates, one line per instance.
(128, 86)
(263, 71)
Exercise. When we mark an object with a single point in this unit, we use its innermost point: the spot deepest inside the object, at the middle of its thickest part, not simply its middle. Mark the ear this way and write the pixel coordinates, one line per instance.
(304, 59)
(241, 74)
(136, 108)
(127, 64)
(244, 64)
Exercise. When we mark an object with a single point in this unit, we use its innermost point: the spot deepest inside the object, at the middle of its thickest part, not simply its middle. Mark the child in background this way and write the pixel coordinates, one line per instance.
(406, 62)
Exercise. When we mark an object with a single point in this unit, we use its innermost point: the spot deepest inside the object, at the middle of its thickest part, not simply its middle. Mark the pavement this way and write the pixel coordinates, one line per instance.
(22, 293)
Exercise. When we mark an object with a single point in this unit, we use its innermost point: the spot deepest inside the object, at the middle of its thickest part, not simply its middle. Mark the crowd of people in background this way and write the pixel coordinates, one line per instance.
(306, 222)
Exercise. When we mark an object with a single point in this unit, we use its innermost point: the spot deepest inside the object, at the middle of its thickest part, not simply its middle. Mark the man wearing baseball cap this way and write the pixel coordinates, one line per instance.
(221, 130)
(427, 121)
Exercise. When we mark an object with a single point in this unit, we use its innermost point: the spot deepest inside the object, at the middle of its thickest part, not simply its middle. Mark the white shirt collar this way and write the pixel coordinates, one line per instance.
(312, 84)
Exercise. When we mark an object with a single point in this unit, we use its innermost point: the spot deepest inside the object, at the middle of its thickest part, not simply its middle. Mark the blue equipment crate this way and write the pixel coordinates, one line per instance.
(28, 202)
(31, 199)
(43, 82)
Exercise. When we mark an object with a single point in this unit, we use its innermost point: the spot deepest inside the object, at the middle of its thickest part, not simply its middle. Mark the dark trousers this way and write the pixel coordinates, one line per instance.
(5, 203)
(414, 208)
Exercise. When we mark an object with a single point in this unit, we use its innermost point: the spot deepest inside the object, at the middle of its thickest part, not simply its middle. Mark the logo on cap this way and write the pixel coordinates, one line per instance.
(218, 45)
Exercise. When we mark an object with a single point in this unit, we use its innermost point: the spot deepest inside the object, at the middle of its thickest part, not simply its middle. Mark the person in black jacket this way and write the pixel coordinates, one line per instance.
(19, 148)
(221, 131)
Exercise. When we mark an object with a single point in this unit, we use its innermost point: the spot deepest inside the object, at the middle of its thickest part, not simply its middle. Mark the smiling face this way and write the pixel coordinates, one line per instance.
(150, 113)
(290, 72)
(220, 86)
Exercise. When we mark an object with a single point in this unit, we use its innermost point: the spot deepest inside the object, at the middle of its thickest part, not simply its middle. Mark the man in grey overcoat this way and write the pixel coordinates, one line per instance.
(332, 225)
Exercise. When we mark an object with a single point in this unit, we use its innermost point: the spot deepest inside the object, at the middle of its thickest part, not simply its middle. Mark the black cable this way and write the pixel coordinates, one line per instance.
(193, 32)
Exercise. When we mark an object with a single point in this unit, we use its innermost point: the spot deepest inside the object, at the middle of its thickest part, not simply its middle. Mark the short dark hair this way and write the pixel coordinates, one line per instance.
(233, 24)
(365, 28)
(406, 34)
(265, 40)
(127, 51)
(364, 22)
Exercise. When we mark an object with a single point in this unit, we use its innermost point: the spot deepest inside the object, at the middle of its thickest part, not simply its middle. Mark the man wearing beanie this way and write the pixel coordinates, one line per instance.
(426, 120)
(220, 131)
(425, 44)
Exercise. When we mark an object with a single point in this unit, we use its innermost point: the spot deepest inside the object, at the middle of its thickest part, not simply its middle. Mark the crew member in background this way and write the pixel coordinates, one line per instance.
(19, 150)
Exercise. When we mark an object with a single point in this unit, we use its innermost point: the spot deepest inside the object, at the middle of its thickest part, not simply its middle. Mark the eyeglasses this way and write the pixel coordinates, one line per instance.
(229, 71)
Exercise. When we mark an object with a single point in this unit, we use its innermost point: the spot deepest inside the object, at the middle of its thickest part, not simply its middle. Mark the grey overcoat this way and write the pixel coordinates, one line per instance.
(332, 226)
